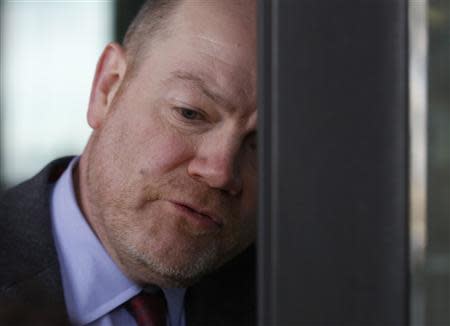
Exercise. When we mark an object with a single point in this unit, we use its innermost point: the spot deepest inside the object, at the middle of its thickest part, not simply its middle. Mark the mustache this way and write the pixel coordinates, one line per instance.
(196, 193)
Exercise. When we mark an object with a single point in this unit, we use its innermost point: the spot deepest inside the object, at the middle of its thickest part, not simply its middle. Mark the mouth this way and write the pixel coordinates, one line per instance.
(201, 217)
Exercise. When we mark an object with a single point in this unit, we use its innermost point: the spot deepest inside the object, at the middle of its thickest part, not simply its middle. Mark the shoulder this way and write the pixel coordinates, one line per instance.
(28, 257)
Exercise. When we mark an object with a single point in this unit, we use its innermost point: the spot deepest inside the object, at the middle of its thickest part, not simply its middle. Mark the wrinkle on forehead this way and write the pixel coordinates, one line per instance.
(234, 100)
(235, 75)
(233, 21)
(217, 40)
(224, 69)
(217, 43)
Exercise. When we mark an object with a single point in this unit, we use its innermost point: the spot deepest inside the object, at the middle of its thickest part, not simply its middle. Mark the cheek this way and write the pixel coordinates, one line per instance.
(147, 143)
(163, 150)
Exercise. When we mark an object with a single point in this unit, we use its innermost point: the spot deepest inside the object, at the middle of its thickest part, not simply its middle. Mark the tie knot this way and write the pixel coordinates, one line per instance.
(148, 308)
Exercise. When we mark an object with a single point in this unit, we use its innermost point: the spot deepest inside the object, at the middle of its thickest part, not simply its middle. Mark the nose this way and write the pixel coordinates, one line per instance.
(216, 163)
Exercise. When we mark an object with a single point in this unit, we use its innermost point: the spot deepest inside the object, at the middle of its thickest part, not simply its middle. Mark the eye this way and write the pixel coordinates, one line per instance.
(190, 114)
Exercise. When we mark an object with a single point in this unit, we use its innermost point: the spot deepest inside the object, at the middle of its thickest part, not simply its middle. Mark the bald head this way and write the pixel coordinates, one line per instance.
(150, 23)
(156, 18)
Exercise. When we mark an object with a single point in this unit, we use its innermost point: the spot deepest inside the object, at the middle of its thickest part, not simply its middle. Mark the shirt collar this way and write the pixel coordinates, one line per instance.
(93, 284)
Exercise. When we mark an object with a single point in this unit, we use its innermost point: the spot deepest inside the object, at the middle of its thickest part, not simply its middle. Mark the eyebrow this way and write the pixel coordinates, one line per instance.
(203, 86)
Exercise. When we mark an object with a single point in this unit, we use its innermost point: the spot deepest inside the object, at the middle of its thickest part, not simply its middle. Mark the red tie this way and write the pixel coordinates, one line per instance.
(148, 309)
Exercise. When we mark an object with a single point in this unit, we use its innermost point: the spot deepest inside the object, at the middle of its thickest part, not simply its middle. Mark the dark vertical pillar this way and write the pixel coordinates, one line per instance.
(333, 245)
(266, 257)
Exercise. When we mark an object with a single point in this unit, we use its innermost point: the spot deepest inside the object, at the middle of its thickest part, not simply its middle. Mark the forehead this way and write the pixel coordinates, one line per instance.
(215, 41)
(234, 21)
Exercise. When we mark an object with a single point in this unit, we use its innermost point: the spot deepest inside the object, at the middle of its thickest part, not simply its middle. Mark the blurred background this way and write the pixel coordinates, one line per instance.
(48, 53)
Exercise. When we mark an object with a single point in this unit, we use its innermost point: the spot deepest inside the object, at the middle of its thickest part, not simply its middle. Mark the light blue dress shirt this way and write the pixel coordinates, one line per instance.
(94, 287)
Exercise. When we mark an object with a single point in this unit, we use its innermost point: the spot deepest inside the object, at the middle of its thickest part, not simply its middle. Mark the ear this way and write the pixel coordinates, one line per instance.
(109, 75)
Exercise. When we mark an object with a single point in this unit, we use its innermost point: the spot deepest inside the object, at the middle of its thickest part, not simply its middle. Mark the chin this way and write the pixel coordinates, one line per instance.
(177, 259)
(173, 267)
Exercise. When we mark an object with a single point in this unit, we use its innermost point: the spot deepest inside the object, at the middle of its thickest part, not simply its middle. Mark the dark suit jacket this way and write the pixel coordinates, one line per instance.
(30, 281)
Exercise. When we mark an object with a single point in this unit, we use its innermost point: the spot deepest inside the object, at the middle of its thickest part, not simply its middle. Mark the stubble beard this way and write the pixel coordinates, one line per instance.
(168, 267)
(182, 274)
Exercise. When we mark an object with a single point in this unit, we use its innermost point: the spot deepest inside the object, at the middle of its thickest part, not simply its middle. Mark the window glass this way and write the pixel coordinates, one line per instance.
(49, 51)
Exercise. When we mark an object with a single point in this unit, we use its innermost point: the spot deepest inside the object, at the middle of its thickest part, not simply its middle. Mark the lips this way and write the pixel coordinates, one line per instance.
(194, 210)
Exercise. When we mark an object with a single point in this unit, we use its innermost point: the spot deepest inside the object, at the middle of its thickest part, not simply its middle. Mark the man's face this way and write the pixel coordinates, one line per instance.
(171, 170)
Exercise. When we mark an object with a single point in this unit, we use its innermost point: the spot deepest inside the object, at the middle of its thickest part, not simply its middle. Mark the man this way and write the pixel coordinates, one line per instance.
(164, 194)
